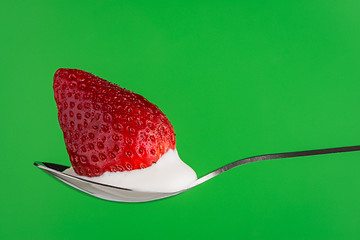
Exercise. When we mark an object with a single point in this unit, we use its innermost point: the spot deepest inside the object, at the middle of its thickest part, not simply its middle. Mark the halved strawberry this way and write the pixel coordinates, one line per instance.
(106, 127)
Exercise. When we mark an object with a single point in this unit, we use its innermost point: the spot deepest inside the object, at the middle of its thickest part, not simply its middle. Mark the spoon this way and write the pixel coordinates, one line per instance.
(119, 194)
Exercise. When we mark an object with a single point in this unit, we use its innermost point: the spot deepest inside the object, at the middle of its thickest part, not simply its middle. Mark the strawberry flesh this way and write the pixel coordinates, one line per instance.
(106, 127)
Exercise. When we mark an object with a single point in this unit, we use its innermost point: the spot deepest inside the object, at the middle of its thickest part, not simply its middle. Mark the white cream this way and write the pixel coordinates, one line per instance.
(168, 174)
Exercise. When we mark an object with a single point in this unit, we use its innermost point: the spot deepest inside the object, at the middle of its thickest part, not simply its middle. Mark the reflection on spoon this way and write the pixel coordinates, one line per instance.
(120, 194)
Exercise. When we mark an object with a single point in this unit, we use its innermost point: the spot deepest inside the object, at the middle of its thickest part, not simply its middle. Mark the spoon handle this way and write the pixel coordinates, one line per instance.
(274, 156)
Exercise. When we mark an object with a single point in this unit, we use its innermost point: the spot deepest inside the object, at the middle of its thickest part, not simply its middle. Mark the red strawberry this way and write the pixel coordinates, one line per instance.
(106, 127)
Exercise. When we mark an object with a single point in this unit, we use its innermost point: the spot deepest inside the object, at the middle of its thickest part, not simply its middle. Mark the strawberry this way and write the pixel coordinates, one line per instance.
(106, 127)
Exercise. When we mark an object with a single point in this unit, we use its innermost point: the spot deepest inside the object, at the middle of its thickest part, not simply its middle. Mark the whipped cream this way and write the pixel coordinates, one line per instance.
(168, 174)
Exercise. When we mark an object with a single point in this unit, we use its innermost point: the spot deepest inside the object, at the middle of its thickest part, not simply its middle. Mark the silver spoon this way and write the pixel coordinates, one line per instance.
(119, 194)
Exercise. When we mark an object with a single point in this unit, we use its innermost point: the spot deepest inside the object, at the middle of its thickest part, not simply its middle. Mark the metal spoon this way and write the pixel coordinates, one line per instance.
(119, 194)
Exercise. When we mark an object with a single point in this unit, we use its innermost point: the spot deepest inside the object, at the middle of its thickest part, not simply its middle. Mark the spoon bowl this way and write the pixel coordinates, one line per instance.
(100, 190)
(118, 194)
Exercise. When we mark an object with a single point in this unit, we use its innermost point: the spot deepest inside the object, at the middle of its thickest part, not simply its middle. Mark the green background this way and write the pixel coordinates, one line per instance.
(235, 78)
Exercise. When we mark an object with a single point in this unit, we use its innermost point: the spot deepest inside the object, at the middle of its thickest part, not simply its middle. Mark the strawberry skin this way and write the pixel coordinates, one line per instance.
(106, 127)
